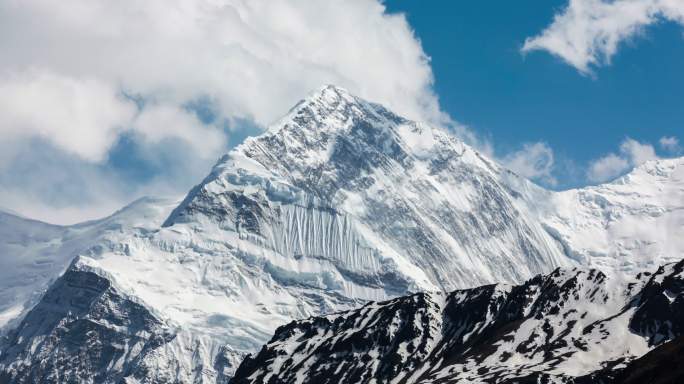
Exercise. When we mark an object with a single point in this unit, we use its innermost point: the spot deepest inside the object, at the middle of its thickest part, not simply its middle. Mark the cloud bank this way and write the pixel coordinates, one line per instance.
(587, 33)
(81, 78)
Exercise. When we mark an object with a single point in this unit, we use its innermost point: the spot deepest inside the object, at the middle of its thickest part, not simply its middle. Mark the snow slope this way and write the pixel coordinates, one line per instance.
(33, 254)
(339, 203)
(633, 223)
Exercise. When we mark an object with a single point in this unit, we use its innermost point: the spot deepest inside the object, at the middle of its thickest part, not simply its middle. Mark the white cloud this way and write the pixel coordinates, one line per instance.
(78, 75)
(607, 168)
(587, 33)
(632, 153)
(670, 144)
(534, 161)
(255, 58)
(158, 122)
(81, 116)
(637, 153)
(41, 181)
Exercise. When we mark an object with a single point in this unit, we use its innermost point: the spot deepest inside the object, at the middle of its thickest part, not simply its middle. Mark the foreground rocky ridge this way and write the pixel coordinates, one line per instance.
(340, 203)
(571, 326)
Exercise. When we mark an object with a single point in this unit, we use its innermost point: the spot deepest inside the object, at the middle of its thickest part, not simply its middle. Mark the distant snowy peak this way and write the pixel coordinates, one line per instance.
(34, 254)
(633, 223)
(664, 170)
(571, 326)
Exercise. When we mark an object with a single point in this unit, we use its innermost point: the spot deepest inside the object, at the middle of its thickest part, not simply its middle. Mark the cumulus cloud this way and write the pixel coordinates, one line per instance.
(587, 33)
(254, 59)
(534, 161)
(632, 153)
(42, 181)
(82, 116)
(156, 123)
(638, 153)
(77, 76)
(670, 144)
(607, 168)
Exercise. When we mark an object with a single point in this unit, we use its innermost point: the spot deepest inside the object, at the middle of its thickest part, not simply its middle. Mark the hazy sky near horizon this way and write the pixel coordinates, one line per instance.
(102, 102)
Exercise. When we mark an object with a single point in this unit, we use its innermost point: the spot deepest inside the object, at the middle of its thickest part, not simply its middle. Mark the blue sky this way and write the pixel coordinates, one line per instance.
(483, 80)
(125, 99)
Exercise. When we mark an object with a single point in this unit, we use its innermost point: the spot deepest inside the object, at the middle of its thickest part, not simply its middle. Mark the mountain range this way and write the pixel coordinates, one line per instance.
(339, 204)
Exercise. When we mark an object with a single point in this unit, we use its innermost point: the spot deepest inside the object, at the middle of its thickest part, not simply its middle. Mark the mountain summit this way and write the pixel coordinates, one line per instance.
(421, 209)
(339, 203)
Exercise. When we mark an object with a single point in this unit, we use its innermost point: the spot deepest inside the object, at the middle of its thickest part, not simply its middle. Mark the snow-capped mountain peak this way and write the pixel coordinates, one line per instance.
(422, 202)
(339, 203)
(318, 123)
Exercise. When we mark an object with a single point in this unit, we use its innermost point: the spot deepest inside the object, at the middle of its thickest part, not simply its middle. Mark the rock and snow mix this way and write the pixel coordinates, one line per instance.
(571, 326)
(340, 203)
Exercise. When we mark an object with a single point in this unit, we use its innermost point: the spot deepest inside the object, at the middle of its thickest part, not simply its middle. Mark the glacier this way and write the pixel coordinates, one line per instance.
(339, 203)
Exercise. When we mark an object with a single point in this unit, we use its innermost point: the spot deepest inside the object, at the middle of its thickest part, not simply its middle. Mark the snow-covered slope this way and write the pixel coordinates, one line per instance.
(633, 223)
(569, 326)
(33, 254)
(339, 203)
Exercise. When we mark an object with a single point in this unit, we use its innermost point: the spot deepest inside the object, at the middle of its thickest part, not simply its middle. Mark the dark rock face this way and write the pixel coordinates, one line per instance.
(403, 315)
(545, 330)
(662, 365)
(82, 330)
(660, 314)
